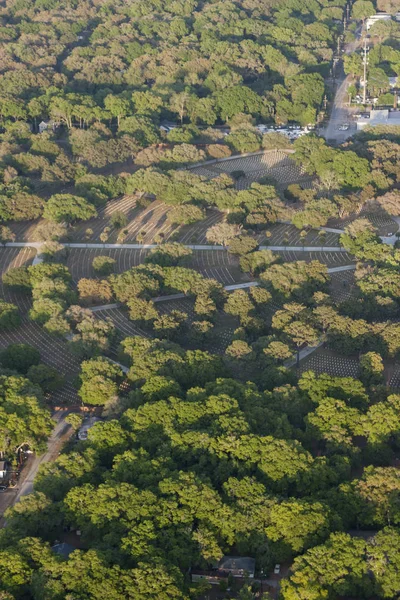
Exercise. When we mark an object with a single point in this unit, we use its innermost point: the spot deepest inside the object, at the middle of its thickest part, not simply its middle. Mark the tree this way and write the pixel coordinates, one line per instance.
(257, 261)
(17, 278)
(185, 215)
(19, 357)
(390, 202)
(49, 379)
(242, 245)
(353, 64)
(237, 99)
(20, 206)
(298, 525)
(75, 420)
(99, 381)
(104, 265)
(238, 349)
(94, 291)
(23, 419)
(222, 233)
(9, 316)
(6, 235)
(362, 9)
(244, 140)
(98, 390)
(359, 227)
(301, 334)
(142, 310)
(383, 555)
(117, 105)
(239, 303)
(378, 491)
(169, 255)
(336, 567)
(119, 220)
(92, 337)
(372, 368)
(68, 208)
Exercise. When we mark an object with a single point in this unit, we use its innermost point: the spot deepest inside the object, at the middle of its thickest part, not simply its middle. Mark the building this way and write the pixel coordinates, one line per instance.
(3, 469)
(375, 18)
(47, 125)
(43, 126)
(379, 117)
(240, 567)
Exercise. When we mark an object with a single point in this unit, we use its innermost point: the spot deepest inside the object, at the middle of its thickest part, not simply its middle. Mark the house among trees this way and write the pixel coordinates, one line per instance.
(46, 125)
(235, 566)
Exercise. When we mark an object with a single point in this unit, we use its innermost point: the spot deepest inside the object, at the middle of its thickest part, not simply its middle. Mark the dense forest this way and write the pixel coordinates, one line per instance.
(203, 448)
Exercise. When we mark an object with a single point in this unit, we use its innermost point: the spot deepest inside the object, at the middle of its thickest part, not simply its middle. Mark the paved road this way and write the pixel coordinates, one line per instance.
(60, 434)
(342, 268)
(303, 354)
(305, 249)
(228, 288)
(341, 111)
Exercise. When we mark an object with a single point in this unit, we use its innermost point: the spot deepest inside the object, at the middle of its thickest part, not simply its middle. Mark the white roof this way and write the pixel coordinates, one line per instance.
(380, 117)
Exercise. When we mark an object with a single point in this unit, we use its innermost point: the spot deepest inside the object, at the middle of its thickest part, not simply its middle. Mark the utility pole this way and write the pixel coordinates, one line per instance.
(365, 63)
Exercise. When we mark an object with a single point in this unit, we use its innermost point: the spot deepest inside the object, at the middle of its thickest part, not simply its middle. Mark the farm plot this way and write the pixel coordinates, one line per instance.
(331, 259)
(283, 234)
(342, 286)
(80, 260)
(383, 222)
(213, 264)
(54, 351)
(326, 361)
(276, 164)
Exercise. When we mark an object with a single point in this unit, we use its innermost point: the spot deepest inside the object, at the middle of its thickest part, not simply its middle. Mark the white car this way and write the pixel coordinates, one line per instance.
(277, 569)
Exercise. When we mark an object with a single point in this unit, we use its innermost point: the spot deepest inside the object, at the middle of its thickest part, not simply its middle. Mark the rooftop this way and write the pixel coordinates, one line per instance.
(237, 563)
(380, 117)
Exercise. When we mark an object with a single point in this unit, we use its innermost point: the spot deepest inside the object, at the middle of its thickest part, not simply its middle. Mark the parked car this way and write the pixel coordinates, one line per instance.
(277, 569)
